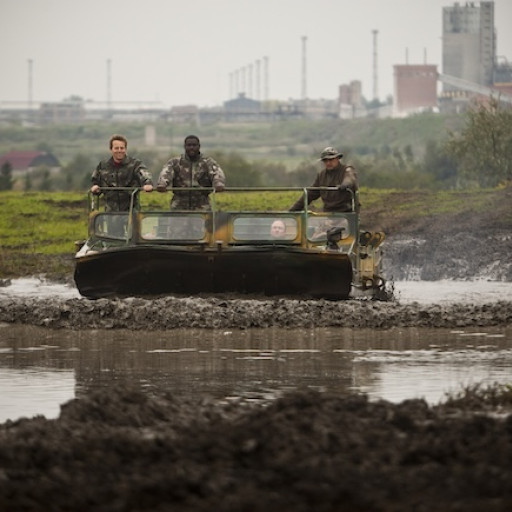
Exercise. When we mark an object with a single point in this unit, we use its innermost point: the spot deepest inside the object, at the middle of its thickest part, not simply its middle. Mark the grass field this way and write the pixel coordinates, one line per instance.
(38, 230)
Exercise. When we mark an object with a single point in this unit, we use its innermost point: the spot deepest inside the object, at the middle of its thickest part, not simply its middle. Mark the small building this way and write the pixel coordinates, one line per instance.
(350, 100)
(26, 161)
(68, 111)
(242, 108)
(184, 114)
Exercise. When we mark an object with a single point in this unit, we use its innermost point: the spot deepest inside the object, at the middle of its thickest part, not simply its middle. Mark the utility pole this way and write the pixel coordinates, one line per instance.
(109, 86)
(30, 98)
(265, 71)
(375, 73)
(304, 93)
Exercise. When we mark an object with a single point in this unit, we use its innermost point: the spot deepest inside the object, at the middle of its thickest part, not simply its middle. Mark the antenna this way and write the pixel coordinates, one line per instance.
(265, 72)
(109, 85)
(30, 84)
(375, 74)
(304, 94)
(258, 95)
(249, 80)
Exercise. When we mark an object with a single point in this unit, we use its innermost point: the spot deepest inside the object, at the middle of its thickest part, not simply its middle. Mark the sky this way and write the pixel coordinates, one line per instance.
(180, 52)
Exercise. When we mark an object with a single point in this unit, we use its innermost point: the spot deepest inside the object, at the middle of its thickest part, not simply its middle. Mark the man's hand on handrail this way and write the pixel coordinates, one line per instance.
(97, 190)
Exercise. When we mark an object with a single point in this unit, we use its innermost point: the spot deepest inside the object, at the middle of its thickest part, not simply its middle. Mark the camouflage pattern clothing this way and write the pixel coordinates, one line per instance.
(335, 200)
(128, 173)
(181, 172)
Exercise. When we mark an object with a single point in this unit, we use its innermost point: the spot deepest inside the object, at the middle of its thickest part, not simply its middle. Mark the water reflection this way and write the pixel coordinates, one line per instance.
(40, 366)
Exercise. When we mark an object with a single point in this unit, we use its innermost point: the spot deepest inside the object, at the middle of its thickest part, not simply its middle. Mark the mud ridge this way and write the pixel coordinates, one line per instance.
(122, 450)
(221, 313)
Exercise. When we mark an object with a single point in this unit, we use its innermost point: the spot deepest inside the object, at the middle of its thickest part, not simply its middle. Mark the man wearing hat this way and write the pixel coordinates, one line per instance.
(334, 174)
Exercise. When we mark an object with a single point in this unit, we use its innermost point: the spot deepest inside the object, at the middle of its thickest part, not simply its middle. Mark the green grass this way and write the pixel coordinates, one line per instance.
(38, 230)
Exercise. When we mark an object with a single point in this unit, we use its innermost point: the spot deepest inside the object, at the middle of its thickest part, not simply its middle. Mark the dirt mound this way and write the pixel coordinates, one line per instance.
(123, 450)
(221, 313)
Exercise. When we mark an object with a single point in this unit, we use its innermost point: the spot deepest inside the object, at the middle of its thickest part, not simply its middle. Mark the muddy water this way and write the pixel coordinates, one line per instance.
(40, 369)
(43, 368)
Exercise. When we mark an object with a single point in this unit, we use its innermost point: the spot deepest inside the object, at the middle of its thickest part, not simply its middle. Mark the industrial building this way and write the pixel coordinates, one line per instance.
(470, 69)
(469, 43)
(415, 88)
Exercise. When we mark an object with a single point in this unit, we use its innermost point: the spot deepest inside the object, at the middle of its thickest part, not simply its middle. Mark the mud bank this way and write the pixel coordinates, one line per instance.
(463, 255)
(222, 313)
(121, 450)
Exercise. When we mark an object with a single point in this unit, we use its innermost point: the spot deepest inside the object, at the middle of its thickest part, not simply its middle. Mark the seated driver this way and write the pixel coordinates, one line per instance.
(278, 229)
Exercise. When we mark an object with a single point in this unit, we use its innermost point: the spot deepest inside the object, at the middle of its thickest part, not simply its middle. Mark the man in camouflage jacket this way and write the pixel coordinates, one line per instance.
(120, 170)
(334, 174)
(192, 169)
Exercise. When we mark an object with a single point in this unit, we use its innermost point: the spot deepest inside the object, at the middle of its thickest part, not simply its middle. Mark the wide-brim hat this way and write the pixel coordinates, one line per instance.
(329, 153)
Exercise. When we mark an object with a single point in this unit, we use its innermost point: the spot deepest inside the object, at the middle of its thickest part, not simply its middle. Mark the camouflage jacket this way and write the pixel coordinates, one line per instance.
(181, 172)
(334, 200)
(129, 173)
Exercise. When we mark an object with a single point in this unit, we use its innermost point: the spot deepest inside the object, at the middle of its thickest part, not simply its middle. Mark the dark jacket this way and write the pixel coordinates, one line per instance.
(128, 173)
(335, 200)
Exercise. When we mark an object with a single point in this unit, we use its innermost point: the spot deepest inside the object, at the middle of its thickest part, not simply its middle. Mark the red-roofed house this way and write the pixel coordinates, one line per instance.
(26, 161)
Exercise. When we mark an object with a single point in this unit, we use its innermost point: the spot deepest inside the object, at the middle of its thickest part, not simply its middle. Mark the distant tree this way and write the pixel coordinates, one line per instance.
(28, 182)
(399, 159)
(272, 174)
(46, 182)
(302, 176)
(71, 176)
(440, 164)
(409, 154)
(483, 150)
(6, 181)
(239, 172)
(44, 146)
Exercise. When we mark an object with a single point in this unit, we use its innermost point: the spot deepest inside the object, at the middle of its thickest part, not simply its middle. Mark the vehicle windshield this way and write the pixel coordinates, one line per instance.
(172, 227)
(111, 225)
(319, 226)
(265, 228)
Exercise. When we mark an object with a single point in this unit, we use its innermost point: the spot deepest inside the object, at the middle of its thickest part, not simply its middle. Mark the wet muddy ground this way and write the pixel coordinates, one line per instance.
(221, 313)
(120, 450)
(123, 450)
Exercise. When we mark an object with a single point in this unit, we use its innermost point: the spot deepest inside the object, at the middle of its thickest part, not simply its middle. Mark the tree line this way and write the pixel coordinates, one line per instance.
(479, 155)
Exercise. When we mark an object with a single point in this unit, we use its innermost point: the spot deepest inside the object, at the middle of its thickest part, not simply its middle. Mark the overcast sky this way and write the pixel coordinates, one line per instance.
(183, 52)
